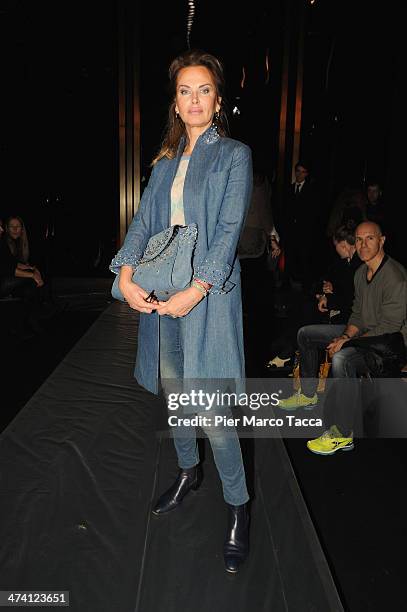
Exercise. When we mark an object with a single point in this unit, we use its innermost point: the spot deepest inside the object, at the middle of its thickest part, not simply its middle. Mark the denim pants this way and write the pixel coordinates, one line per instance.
(347, 365)
(224, 440)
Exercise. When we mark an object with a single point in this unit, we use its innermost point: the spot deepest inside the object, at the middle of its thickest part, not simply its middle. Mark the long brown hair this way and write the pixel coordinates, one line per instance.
(19, 248)
(175, 126)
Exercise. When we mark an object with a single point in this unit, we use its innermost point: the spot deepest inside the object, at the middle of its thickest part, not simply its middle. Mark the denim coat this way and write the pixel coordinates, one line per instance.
(216, 197)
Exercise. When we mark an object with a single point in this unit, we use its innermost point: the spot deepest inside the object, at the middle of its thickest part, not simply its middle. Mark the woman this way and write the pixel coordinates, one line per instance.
(19, 254)
(16, 238)
(19, 278)
(17, 272)
(199, 176)
(17, 242)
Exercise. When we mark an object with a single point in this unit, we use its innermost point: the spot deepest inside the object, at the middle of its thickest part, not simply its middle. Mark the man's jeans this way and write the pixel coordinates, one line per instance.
(223, 439)
(347, 365)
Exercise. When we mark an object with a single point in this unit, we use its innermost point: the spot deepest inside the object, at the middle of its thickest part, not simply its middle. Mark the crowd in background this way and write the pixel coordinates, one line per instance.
(294, 245)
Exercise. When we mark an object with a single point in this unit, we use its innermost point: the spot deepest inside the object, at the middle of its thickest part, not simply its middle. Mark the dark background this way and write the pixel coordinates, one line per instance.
(59, 162)
(59, 102)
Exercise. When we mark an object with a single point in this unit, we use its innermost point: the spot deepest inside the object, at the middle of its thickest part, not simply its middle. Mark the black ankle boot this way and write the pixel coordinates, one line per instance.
(186, 480)
(236, 547)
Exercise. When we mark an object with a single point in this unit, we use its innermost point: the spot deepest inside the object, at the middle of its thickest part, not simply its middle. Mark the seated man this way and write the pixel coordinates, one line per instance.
(333, 305)
(379, 308)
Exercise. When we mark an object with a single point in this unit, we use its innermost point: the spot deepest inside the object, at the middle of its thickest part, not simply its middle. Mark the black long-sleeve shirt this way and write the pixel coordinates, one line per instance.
(342, 278)
(8, 263)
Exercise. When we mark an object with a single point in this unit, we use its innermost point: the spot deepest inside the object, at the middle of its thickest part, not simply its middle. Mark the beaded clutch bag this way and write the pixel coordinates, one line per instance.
(166, 264)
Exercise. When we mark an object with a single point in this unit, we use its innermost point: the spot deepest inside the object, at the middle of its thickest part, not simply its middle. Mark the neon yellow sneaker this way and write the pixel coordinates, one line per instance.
(298, 400)
(330, 442)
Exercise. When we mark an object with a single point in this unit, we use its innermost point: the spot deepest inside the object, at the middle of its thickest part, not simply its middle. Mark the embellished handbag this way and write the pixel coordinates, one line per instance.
(166, 264)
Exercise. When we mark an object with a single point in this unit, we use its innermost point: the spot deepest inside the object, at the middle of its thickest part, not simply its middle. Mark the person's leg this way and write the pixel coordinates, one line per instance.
(227, 454)
(303, 312)
(339, 415)
(226, 449)
(171, 374)
(228, 458)
(311, 339)
(348, 365)
(18, 287)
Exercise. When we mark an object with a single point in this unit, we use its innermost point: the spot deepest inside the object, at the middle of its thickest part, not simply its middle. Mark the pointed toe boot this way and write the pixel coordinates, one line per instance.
(236, 546)
(186, 480)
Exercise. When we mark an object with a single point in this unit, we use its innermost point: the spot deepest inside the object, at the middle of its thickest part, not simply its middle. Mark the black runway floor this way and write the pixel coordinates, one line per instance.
(82, 461)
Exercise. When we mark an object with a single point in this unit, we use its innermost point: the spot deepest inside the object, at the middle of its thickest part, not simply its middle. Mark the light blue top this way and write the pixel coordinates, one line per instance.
(177, 192)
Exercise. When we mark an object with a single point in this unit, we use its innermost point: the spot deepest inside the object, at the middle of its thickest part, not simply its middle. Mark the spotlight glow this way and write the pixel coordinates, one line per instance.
(190, 20)
(243, 77)
(267, 68)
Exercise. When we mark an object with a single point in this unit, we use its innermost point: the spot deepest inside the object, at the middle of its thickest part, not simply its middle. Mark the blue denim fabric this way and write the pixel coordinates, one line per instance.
(216, 197)
(224, 440)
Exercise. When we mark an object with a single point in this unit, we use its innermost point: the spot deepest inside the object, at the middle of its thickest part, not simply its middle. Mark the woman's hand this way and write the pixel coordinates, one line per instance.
(327, 287)
(181, 303)
(135, 296)
(38, 278)
(25, 267)
(275, 248)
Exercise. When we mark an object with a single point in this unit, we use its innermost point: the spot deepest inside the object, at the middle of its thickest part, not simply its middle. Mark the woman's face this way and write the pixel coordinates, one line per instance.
(196, 99)
(342, 248)
(14, 228)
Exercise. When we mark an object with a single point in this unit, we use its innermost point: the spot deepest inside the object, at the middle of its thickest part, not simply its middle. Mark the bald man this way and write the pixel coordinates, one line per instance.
(379, 308)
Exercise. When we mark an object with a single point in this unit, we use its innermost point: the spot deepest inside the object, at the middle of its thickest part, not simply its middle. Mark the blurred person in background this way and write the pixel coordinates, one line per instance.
(20, 278)
(375, 209)
(17, 242)
(259, 240)
(349, 209)
(301, 227)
